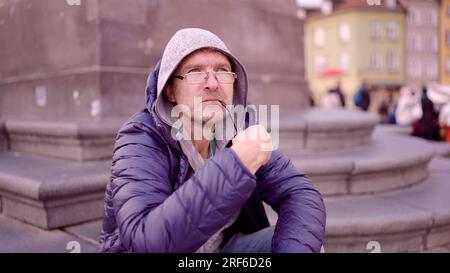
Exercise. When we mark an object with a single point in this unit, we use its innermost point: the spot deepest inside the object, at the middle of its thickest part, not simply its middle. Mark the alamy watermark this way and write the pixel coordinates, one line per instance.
(373, 2)
(73, 2)
(74, 247)
(372, 246)
(224, 122)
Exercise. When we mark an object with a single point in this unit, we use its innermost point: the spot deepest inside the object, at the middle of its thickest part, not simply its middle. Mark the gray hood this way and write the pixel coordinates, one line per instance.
(183, 43)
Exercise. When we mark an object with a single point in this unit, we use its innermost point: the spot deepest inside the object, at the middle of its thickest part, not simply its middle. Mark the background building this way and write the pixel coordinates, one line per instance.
(444, 49)
(422, 42)
(356, 42)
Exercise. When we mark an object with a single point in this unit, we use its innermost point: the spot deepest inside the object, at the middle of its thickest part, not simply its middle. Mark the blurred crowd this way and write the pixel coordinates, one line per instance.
(409, 107)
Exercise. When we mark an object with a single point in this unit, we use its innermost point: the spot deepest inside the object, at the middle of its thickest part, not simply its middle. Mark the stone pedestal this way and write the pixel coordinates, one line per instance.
(52, 193)
(70, 75)
(66, 140)
(91, 61)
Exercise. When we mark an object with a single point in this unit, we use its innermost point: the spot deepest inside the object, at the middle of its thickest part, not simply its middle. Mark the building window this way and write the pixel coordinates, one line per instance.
(417, 68)
(432, 69)
(426, 46)
(344, 60)
(448, 65)
(375, 30)
(416, 42)
(447, 37)
(319, 37)
(414, 68)
(319, 63)
(392, 31)
(393, 60)
(434, 43)
(432, 18)
(410, 41)
(345, 33)
(410, 67)
(414, 17)
(376, 60)
(426, 18)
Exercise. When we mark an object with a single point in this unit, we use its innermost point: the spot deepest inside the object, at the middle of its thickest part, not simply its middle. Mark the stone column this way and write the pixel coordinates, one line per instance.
(71, 65)
(71, 74)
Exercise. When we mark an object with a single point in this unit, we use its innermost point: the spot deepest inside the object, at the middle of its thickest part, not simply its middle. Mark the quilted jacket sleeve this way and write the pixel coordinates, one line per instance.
(150, 215)
(301, 211)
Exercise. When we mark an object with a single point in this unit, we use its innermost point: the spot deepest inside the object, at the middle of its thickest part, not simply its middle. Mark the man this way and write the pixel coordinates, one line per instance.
(337, 90)
(187, 194)
(362, 97)
(428, 122)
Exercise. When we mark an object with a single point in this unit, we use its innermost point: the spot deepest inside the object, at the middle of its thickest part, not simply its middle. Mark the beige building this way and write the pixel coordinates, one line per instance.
(444, 33)
(354, 43)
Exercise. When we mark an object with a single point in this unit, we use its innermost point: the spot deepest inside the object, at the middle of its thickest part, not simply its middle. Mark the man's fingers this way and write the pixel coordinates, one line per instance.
(255, 132)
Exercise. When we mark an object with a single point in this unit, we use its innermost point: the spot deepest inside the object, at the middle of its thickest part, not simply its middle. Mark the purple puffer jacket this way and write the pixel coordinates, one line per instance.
(151, 205)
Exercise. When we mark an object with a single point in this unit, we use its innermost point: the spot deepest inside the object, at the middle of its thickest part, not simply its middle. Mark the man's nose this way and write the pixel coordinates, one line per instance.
(211, 82)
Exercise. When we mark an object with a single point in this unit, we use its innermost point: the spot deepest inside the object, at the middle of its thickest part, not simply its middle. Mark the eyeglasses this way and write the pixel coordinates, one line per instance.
(202, 77)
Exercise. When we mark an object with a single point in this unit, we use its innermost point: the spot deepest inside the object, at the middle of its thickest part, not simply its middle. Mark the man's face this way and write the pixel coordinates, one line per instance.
(206, 95)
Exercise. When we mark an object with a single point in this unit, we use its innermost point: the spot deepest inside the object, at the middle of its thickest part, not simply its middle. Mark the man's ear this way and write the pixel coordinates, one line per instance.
(169, 90)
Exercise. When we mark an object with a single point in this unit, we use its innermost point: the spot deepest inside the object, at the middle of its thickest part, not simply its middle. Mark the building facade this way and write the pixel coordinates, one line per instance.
(361, 41)
(422, 42)
(444, 35)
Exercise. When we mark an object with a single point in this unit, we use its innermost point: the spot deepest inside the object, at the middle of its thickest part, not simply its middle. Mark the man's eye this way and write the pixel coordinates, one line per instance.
(193, 70)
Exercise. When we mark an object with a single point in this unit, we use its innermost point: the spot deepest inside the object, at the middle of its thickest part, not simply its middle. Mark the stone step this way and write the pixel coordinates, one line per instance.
(408, 220)
(442, 148)
(324, 131)
(51, 193)
(394, 129)
(72, 140)
(390, 162)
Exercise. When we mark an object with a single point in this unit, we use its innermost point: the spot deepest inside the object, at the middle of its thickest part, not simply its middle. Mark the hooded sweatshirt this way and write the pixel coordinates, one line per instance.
(153, 204)
(182, 44)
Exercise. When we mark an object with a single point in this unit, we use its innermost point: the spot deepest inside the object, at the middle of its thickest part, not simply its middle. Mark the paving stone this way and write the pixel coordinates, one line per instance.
(368, 215)
(89, 231)
(440, 164)
(376, 243)
(431, 196)
(16, 236)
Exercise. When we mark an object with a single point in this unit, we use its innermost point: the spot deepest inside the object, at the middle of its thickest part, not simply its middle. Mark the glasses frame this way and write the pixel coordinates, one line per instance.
(205, 79)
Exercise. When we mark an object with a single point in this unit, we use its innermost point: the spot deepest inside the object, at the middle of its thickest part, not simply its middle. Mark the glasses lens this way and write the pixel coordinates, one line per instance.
(225, 77)
(201, 77)
(196, 77)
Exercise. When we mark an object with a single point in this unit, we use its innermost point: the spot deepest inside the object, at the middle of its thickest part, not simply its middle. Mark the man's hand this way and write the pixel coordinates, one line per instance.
(253, 147)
